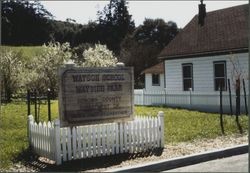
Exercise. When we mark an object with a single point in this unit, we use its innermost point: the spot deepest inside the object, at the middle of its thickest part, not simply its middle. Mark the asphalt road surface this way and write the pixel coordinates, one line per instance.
(237, 163)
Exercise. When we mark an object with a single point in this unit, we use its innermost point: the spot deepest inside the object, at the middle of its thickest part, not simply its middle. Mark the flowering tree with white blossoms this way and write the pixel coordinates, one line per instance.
(99, 56)
(42, 71)
(10, 70)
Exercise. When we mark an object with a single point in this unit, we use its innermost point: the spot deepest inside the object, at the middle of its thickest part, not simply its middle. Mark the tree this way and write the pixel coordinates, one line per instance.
(24, 23)
(114, 24)
(41, 73)
(99, 56)
(237, 75)
(10, 67)
(140, 49)
(156, 31)
(78, 57)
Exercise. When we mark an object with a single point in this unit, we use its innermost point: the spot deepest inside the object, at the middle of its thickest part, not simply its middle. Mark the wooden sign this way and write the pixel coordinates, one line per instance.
(95, 95)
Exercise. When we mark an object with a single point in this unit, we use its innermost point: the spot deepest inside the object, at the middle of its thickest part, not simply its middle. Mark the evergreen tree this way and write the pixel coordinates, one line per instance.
(114, 24)
(24, 23)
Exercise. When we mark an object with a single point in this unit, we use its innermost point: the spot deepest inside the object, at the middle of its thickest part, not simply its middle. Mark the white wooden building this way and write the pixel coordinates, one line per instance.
(201, 58)
(154, 77)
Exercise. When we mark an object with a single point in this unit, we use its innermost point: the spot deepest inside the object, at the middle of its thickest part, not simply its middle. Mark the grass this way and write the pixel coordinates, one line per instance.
(184, 125)
(180, 125)
(13, 129)
(27, 51)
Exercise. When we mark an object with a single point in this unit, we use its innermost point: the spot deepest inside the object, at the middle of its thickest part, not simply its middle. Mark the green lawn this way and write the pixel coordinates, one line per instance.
(180, 125)
(185, 125)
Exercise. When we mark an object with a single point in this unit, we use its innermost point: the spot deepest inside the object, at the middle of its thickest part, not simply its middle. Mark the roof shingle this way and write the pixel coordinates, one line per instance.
(156, 69)
(224, 30)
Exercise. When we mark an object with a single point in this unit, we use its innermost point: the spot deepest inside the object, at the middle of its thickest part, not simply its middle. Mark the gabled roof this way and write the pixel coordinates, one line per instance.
(156, 69)
(224, 31)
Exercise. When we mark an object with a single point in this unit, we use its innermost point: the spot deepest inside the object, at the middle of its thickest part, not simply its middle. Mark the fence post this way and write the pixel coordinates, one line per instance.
(221, 112)
(28, 101)
(161, 117)
(230, 97)
(237, 97)
(36, 118)
(57, 137)
(49, 110)
(30, 120)
(245, 96)
(165, 92)
(143, 97)
(190, 97)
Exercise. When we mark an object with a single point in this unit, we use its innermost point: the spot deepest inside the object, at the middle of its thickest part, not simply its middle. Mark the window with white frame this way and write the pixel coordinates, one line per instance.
(187, 74)
(155, 79)
(220, 77)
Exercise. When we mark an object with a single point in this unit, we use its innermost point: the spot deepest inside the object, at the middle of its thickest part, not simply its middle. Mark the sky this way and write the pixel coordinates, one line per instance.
(181, 12)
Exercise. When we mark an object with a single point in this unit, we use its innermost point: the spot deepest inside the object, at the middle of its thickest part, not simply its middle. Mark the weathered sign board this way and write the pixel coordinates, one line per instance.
(95, 95)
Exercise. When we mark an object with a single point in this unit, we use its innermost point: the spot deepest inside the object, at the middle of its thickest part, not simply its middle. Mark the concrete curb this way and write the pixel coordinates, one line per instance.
(168, 164)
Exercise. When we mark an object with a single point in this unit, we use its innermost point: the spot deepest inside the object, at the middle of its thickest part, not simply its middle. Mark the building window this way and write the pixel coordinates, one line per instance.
(155, 79)
(220, 76)
(187, 72)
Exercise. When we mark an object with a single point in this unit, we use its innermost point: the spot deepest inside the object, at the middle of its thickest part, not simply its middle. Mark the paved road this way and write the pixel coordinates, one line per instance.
(237, 163)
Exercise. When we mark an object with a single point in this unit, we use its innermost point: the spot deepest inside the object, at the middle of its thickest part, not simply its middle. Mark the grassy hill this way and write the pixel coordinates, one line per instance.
(27, 51)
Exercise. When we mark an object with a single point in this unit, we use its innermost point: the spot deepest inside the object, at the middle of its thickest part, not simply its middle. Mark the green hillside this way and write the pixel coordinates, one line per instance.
(27, 51)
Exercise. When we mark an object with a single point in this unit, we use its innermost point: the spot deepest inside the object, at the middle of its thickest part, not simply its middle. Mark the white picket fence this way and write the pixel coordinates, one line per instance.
(203, 101)
(64, 144)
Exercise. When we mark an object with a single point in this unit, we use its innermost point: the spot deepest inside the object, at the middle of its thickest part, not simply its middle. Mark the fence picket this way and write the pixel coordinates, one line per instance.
(156, 132)
(125, 137)
(113, 138)
(94, 141)
(121, 137)
(116, 138)
(46, 140)
(110, 138)
(74, 142)
(107, 139)
(138, 137)
(143, 134)
(57, 136)
(161, 119)
(51, 141)
(79, 139)
(89, 142)
(148, 133)
(153, 132)
(42, 139)
(39, 138)
(69, 146)
(129, 137)
(63, 135)
(103, 139)
(84, 142)
(36, 138)
(135, 137)
(132, 137)
(99, 140)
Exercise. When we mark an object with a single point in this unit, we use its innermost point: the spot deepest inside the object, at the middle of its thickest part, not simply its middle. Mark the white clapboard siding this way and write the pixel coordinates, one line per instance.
(70, 143)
